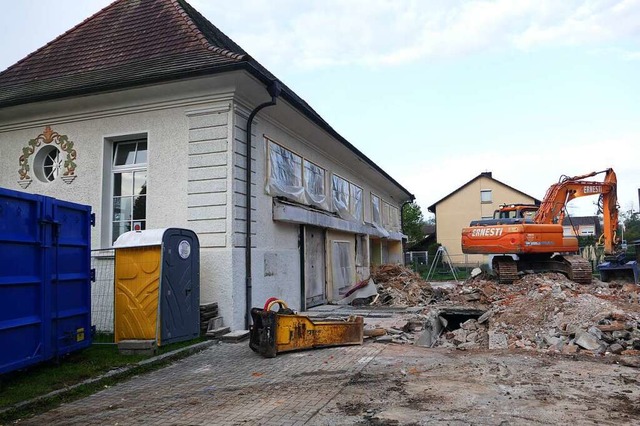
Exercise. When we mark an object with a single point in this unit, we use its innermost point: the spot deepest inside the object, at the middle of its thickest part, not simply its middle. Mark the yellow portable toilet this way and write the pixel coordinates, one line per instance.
(157, 285)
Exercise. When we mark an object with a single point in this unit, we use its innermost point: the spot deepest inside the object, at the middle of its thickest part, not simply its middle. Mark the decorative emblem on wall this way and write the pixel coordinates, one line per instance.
(48, 163)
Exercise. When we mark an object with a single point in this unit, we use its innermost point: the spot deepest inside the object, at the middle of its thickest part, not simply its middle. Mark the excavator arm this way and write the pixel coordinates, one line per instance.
(552, 209)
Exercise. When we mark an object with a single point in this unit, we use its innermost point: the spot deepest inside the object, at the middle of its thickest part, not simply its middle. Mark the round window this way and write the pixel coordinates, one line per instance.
(47, 163)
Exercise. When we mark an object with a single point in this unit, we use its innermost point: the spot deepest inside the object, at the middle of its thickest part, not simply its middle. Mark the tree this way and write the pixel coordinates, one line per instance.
(631, 222)
(412, 223)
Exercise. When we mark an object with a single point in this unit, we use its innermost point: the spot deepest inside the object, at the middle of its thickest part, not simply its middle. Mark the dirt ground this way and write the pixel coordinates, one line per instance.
(409, 385)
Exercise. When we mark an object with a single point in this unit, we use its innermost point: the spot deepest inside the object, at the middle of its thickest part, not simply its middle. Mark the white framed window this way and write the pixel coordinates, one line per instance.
(347, 199)
(129, 186)
(486, 196)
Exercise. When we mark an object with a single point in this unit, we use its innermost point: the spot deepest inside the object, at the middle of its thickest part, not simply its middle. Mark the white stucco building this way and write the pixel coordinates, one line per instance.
(141, 112)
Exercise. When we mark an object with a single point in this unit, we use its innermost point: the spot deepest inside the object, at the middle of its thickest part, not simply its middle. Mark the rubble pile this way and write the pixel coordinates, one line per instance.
(552, 313)
(400, 286)
(472, 334)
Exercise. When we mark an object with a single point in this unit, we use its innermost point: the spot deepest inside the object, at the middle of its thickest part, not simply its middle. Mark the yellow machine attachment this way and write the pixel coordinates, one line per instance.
(279, 331)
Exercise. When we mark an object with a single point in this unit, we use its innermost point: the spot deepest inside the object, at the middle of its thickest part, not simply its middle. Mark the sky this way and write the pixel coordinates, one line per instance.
(437, 91)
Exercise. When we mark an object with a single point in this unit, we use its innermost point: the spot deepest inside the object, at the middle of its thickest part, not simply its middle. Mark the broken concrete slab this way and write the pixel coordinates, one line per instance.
(235, 336)
(218, 332)
(215, 323)
(486, 316)
(616, 349)
(498, 341)
(587, 341)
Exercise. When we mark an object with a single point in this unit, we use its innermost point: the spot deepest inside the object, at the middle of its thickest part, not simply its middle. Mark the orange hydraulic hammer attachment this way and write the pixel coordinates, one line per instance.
(279, 331)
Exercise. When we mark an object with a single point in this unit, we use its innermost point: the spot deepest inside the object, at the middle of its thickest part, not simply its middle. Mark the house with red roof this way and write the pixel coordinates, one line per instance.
(150, 114)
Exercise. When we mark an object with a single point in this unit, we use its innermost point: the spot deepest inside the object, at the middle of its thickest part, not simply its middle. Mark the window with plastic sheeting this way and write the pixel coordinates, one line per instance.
(347, 199)
(285, 173)
(340, 190)
(314, 185)
(395, 218)
(355, 201)
(386, 215)
(375, 210)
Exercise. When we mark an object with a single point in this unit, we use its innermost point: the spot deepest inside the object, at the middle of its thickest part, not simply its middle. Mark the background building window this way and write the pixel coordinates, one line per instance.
(485, 196)
(129, 202)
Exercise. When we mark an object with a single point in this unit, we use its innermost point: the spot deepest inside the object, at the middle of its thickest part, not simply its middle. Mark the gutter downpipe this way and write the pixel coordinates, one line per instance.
(274, 90)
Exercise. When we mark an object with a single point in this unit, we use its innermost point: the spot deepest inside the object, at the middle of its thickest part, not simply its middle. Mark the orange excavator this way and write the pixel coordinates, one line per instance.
(521, 241)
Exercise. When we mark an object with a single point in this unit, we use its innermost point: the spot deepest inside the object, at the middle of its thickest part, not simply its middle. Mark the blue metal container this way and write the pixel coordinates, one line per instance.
(45, 278)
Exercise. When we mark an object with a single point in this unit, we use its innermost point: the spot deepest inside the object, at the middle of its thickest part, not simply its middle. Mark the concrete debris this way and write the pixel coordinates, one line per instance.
(498, 341)
(235, 336)
(543, 312)
(400, 286)
(587, 341)
(485, 317)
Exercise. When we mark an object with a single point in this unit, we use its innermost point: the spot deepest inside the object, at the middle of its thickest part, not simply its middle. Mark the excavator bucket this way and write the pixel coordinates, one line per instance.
(617, 268)
(274, 332)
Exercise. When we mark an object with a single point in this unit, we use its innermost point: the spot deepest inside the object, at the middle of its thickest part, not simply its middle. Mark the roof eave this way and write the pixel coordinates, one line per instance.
(116, 86)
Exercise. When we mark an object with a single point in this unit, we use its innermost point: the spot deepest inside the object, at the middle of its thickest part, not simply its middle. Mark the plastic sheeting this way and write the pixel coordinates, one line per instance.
(355, 202)
(285, 175)
(287, 178)
(375, 210)
(340, 191)
(347, 199)
(314, 185)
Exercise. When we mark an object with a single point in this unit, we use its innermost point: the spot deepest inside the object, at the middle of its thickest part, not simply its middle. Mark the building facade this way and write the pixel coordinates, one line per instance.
(151, 131)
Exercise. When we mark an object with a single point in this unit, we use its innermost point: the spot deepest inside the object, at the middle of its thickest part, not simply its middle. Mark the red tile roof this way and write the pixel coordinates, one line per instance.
(136, 42)
(128, 42)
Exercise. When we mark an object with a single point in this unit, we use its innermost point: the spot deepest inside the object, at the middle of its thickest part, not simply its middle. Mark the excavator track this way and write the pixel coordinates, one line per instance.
(580, 269)
(506, 270)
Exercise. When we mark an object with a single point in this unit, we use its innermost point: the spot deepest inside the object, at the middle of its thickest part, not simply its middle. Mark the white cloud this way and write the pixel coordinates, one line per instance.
(384, 32)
